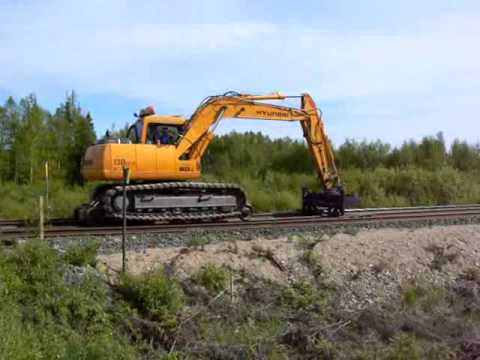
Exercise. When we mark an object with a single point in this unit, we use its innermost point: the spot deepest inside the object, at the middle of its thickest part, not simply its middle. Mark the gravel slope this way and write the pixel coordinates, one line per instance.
(369, 266)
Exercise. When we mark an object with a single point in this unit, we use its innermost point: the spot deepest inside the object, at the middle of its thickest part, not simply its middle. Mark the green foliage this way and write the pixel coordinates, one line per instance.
(425, 297)
(412, 186)
(154, 294)
(82, 254)
(30, 136)
(41, 316)
(252, 332)
(21, 201)
(464, 157)
(198, 241)
(302, 295)
(171, 356)
(364, 155)
(212, 277)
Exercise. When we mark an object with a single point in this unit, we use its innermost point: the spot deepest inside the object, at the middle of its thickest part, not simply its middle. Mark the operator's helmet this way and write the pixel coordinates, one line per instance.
(149, 110)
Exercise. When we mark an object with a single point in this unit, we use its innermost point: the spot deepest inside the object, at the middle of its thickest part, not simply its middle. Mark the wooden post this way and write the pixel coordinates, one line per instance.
(47, 190)
(126, 175)
(40, 223)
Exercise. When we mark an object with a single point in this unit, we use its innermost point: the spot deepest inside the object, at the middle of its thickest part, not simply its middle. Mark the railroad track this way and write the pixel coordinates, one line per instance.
(10, 229)
(10, 222)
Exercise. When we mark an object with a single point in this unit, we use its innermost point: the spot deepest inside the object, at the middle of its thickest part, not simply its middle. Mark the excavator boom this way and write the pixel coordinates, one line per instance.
(200, 129)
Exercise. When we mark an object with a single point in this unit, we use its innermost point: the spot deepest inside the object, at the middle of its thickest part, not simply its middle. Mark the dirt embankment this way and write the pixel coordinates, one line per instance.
(375, 294)
(369, 265)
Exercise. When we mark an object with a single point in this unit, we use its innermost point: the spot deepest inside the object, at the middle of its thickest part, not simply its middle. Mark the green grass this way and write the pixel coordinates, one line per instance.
(251, 334)
(154, 294)
(22, 201)
(423, 296)
(303, 296)
(212, 277)
(82, 254)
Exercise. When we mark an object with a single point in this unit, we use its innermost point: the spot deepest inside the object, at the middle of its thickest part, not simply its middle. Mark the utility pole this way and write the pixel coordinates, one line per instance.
(126, 179)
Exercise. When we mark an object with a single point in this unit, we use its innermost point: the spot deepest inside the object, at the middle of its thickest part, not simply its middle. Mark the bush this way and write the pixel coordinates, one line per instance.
(302, 295)
(82, 254)
(41, 316)
(155, 294)
(212, 277)
(426, 297)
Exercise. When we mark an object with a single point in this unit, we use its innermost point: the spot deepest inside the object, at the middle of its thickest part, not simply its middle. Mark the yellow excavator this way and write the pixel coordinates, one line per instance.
(164, 153)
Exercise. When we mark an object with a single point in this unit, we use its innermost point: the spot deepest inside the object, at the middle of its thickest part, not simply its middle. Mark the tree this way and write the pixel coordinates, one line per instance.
(364, 155)
(431, 152)
(75, 134)
(463, 156)
(30, 153)
(9, 123)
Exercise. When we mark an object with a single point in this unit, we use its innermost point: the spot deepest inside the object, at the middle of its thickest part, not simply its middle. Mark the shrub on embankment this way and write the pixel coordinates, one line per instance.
(50, 309)
(43, 315)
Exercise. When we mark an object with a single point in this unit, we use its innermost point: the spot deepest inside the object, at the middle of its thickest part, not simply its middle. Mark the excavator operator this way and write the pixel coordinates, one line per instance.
(161, 136)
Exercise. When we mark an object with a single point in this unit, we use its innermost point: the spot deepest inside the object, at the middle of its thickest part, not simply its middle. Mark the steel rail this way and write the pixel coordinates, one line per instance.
(258, 222)
(284, 213)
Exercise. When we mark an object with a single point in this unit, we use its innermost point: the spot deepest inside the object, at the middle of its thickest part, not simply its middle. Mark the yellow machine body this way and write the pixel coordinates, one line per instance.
(146, 161)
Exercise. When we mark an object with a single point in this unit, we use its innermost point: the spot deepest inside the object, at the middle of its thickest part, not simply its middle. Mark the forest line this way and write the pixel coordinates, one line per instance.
(271, 170)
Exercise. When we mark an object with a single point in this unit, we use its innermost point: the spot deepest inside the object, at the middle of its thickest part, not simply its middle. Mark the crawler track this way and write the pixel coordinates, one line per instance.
(11, 229)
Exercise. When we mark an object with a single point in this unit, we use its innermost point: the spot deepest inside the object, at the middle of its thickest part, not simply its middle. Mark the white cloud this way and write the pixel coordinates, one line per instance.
(146, 51)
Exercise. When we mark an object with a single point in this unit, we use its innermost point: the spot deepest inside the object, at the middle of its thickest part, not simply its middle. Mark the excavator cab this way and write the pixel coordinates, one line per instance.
(157, 130)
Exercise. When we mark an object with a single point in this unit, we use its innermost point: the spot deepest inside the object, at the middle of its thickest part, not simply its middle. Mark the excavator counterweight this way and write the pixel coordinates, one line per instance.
(164, 155)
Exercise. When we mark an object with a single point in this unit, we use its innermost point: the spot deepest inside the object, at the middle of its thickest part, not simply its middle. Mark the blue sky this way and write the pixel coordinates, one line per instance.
(378, 69)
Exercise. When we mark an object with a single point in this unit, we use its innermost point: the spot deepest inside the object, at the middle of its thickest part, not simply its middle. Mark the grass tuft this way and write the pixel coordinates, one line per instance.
(212, 277)
(425, 297)
(155, 294)
(82, 254)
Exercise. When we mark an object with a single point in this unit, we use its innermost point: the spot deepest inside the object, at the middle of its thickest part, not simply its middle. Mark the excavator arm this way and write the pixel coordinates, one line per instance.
(200, 131)
(201, 127)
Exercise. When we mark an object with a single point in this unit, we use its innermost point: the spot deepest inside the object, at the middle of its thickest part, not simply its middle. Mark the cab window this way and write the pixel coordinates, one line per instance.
(162, 134)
